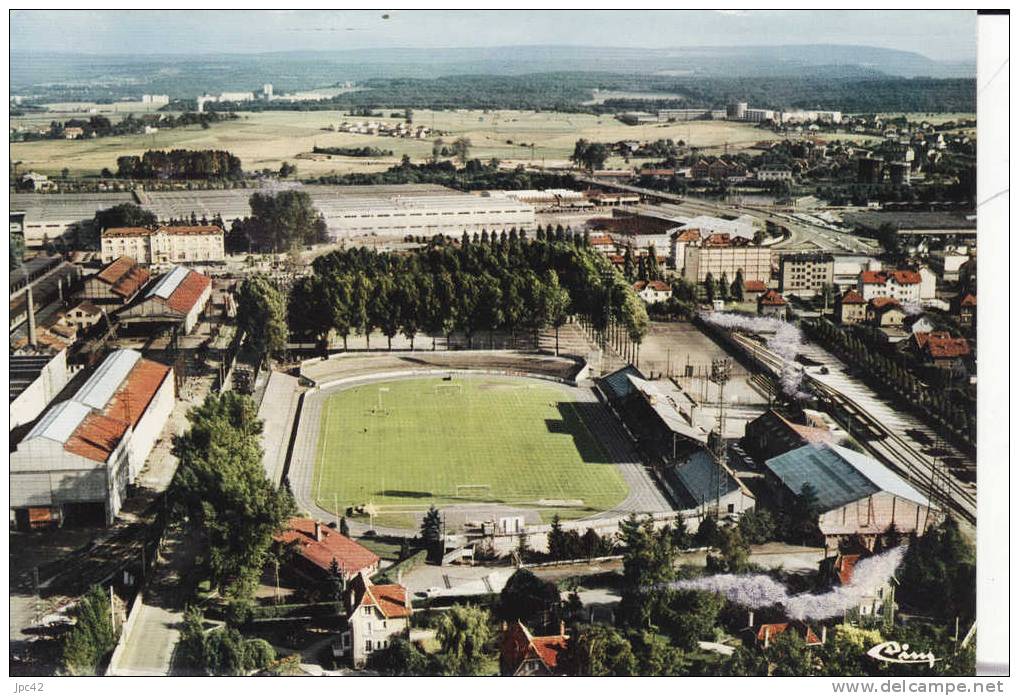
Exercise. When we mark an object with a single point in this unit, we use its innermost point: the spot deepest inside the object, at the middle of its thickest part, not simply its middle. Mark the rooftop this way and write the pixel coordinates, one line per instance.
(350, 555)
(124, 276)
(838, 475)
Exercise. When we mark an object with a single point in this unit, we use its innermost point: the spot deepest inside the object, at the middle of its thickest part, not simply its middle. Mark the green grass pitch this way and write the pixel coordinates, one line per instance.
(524, 440)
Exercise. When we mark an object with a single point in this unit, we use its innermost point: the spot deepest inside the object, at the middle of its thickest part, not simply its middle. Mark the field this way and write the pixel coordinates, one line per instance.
(522, 439)
(266, 139)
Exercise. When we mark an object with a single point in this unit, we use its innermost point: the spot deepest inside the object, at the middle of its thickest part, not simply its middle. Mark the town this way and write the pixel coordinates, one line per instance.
(652, 403)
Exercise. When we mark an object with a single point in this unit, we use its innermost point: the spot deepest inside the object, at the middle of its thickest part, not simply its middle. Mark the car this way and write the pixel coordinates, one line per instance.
(430, 592)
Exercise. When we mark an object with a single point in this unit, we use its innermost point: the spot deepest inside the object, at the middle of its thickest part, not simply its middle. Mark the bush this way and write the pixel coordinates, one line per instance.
(92, 637)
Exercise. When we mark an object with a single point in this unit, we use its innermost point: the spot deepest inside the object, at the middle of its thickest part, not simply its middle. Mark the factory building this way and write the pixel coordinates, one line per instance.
(35, 378)
(117, 283)
(78, 459)
(856, 495)
(719, 254)
(177, 298)
(385, 210)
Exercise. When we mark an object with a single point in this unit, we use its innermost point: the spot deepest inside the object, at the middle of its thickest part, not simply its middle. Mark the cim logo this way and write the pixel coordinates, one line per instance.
(892, 651)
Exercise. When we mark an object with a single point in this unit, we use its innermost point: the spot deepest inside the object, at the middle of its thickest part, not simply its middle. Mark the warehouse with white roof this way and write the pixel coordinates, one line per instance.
(77, 460)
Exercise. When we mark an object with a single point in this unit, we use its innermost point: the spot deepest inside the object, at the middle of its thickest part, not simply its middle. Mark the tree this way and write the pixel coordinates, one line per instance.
(629, 268)
(287, 218)
(122, 215)
(344, 527)
(557, 540)
(438, 145)
(757, 526)
(527, 598)
(399, 659)
(691, 616)
(287, 170)
(557, 303)
(92, 637)
(17, 250)
(599, 651)
(733, 552)
(707, 532)
(221, 493)
(648, 561)
(463, 633)
(461, 149)
(431, 526)
(789, 656)
(261, 314)
(709, 287)
(656, 657)
(801, 521)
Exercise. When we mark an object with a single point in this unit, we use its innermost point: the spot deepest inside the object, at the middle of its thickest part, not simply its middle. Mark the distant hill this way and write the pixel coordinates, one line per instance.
(89, 76)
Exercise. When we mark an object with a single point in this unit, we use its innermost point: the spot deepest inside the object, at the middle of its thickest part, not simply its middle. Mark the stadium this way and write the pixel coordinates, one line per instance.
(481, 435)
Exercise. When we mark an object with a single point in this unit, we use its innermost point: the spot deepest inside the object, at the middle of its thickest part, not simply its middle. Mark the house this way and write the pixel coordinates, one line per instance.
(83, 315)
(34, 181)
(855, 495)
(772, 434)
(179, 297)
(772, 304)
(524, 655)
(602, 242)
(753, 289)
(776, 174)
(903, 286)
(837, 571)
(73, 133)
(652, 291)
(80, 456)
(375, 615)
(964, 309)
(940, 348)
(885, 312)
(850, 307)
(117, 283)
(805, 275)
(928, 283)
(769, 631)
(165, 244)
(316, 546)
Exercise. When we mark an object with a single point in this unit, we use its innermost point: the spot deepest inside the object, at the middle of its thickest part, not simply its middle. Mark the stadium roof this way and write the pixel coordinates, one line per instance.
(702, 479)
(838, 475)
(668, 407)
(618, 383)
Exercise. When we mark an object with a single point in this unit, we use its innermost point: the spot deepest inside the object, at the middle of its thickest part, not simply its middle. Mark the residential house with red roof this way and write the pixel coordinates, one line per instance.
(117, 283)
(753, 289)
(837, 571)
(80, 456)
(850, 307)
(652, 291)
(884, 312)
(376, 614)
(316, 545)
(769, 631)
(772, 304)
(179, 297)
(524, 655)
(964, 309)
(940, 348)
(903, 286)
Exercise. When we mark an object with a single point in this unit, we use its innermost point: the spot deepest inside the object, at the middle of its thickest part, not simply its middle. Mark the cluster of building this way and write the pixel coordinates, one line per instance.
(737, 111)
(401, 129)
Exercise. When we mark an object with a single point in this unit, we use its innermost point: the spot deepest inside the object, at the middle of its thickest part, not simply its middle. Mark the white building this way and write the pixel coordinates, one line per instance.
(375, 615)
(35, 378)
(902, 286)
(774, 174)
(164, 245)
(81, 455)
(653, 291)
(155, 99)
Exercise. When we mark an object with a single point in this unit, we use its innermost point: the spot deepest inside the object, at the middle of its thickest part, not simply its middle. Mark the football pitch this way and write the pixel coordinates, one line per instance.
(401, 446)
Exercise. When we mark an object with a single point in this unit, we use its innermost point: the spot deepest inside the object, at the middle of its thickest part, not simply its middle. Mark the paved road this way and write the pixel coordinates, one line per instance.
(148, 647)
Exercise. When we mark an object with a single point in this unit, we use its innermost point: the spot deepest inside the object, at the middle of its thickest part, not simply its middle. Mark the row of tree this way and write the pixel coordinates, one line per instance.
(516, 285)
(279, 222)
(180, 164)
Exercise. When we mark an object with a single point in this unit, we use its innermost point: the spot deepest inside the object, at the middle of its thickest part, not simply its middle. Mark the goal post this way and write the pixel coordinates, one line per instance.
(449, 388)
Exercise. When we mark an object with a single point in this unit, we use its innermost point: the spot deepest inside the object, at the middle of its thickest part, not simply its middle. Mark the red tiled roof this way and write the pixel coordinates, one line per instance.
(124, 276)
(549, 648)
(718, 239)
(189, 229)
(390, 599)
(96, 437)
(940, 344)
(601, 239)
(774, 629)
(129, 402)
(660, 286)
(519, 645)
(882, 277)
(754, 286)
(688, 235)
(872, 278)
(640, 285)
(771, 298)
(884, 303)
(845, 565)
(350, 555)
(850, 296)
(184, 296)
(970, 300)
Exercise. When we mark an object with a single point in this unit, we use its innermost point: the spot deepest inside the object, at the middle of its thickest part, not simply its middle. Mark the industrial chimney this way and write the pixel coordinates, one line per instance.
(32, 338)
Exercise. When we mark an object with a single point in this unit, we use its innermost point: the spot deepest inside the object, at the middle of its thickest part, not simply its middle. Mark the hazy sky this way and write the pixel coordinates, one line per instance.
(949, 35)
